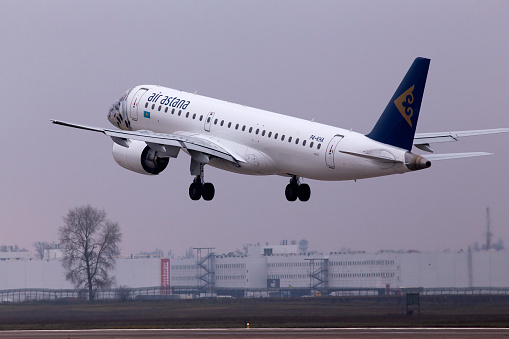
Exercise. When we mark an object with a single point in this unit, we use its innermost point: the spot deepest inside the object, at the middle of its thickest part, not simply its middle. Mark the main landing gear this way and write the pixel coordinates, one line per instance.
(296, 190)
(199, 188)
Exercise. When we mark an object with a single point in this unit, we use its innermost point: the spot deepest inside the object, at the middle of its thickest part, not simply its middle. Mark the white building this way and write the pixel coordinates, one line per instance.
(280, 267)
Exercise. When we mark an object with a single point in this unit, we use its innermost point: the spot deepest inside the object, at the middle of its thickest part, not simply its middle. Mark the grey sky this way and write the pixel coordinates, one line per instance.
(338, 62)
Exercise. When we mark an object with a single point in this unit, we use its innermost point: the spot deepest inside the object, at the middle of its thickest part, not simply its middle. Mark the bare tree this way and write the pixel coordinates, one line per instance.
(41, 246)
(12, 248)
(243, 251)
(89, 245)
(124, 293)
(189, 253)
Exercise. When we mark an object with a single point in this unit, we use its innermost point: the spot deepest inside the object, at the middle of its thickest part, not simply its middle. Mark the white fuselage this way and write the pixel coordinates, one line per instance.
(270, 143)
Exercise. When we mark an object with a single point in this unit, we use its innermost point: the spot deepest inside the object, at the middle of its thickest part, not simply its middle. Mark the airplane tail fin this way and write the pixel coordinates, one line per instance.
(397, 124)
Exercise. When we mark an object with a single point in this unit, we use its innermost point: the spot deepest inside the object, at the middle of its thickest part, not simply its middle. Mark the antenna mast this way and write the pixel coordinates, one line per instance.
(489, 235)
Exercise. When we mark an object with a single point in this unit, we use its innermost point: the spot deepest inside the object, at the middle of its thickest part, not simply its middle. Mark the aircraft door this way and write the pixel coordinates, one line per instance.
(331, 150)
(208, 121)
(135, 102)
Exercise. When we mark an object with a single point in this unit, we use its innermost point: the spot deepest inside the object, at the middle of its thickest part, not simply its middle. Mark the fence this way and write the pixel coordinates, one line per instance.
(160, 293)
(121, 293)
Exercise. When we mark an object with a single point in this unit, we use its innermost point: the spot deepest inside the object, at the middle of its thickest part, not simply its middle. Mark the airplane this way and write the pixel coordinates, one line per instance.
(155, 123)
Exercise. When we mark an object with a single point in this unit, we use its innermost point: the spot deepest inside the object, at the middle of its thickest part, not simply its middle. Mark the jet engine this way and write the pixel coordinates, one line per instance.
(139, 158)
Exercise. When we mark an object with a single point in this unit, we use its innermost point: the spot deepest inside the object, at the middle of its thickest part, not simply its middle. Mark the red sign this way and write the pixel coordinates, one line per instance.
(165, 276)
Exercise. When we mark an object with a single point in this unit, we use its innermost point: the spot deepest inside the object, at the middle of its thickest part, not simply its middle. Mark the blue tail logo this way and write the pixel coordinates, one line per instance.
(396, 126)
(405, 107)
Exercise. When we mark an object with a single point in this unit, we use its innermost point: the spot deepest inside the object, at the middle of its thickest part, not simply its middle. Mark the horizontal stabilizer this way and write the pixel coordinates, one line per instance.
(456, 155)
(429, 138)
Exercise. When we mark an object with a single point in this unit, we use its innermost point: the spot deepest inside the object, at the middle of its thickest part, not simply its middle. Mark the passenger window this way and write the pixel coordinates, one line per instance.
(180, 112)
(250, 129)
(194, 116)
(237, 126)
(243, 128)
(319, 145)
(159, 108)
(311, 144)
(173, 111)
(166, 110)
(290, 139)
(229, 124)
(257, 130)
(283, 137)
(208, 119)
(304, 143)
(153, 105)
(275, 136)
(263, 133)
(296, 141)
(146, 105)
(215, 122)
(187, 115)
(269, 135)
(222, 122)
(201, 117)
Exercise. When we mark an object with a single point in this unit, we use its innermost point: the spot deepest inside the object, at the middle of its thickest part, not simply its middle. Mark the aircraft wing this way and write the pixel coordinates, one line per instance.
(157, 141)
(423, 140)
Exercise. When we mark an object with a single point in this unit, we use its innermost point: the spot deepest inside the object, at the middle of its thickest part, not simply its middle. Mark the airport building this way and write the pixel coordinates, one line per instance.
(284, 268)
(278, 271)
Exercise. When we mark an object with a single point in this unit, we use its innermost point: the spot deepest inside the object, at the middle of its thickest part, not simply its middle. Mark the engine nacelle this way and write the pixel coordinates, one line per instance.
(139, 158)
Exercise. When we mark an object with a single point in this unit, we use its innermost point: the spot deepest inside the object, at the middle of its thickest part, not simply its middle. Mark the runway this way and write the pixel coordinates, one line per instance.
(264, 333)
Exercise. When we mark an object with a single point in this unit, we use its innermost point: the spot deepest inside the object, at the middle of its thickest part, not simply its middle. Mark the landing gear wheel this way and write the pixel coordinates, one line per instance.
(291, 192)
(208, 191)
(304, 192)
(195, 191)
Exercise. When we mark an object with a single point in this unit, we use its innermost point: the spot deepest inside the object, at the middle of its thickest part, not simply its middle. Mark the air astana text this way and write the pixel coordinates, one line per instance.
(169, 101)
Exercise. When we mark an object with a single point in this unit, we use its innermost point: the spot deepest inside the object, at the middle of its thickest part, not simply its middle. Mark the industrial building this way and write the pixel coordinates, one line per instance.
(277, 271)
(284, 268)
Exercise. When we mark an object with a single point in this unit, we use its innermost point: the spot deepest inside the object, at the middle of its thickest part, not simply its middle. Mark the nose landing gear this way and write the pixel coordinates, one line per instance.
(296, 190)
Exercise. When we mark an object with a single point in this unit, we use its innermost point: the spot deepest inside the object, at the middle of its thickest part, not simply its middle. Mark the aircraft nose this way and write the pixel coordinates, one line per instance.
(114, 115)
(117, 114)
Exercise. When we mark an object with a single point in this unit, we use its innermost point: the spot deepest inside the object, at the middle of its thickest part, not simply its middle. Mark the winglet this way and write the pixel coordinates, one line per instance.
(397, 124)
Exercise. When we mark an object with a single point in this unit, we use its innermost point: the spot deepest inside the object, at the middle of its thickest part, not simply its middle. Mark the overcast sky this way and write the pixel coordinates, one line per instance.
(338, 62)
